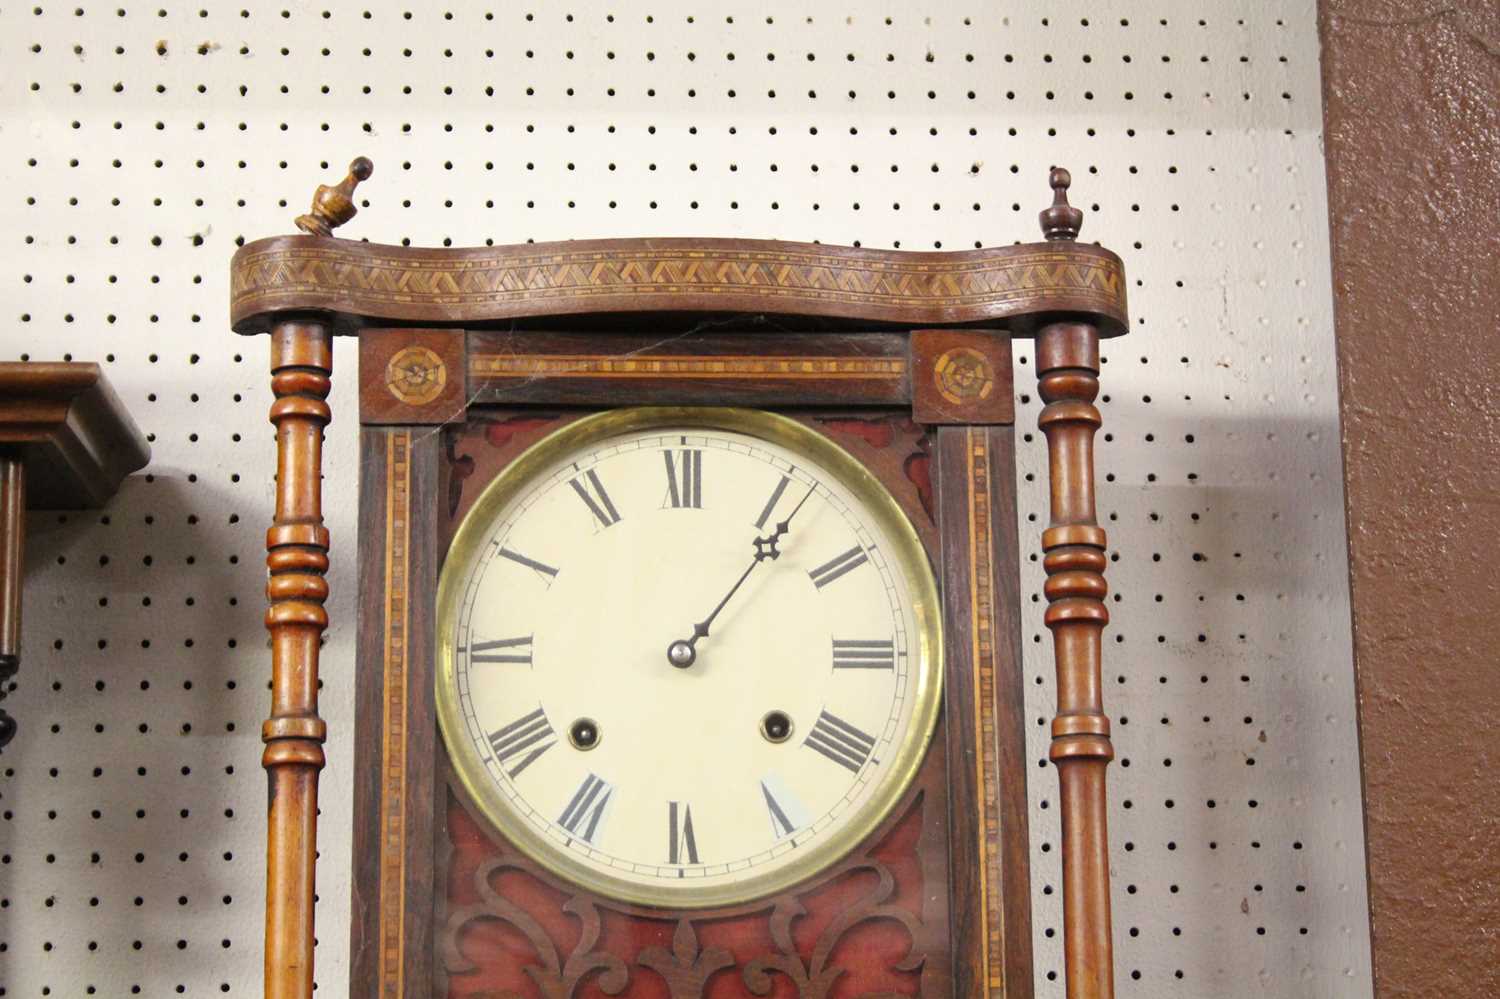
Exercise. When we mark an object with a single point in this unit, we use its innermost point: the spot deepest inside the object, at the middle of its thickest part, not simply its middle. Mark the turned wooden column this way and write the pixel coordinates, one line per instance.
(1073, 546)
(297, 558)
(12, 567)
(297, 588)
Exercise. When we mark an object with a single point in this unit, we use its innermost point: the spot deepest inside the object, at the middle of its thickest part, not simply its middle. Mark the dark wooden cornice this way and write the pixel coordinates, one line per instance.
(74, 436)
(363, 283)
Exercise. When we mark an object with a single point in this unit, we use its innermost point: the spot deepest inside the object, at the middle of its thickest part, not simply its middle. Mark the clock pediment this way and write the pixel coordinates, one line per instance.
(374, 283)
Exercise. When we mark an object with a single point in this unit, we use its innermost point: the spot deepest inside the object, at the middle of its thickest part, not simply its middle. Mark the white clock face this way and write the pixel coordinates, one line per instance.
(688, 657)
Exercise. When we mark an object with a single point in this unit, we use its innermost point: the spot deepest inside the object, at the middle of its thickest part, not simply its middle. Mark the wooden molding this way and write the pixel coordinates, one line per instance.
(391, 926)
(76, 440)
(390, 979)
(708, 368)
(378, 284)
(986, 726)
(66, 443)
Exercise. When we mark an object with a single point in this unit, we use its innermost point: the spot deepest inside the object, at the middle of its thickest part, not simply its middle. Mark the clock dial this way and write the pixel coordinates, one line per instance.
(688, 657)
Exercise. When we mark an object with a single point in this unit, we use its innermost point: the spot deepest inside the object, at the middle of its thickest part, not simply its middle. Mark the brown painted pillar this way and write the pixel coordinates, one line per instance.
(1412, 115)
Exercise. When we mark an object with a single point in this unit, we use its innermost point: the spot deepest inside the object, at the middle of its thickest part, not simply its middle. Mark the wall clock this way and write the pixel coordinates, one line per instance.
(688, 650)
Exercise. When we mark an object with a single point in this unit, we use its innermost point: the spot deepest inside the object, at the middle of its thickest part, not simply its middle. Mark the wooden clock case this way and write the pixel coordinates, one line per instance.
(469, 356)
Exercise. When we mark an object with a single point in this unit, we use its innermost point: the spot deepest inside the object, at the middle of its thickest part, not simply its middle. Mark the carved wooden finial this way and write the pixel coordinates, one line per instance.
(1062, 220)
(333, 206)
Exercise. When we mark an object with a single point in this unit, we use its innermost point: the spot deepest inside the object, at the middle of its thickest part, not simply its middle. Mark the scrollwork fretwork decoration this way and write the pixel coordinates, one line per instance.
(814, 979)
(686, 969)
(555, 978)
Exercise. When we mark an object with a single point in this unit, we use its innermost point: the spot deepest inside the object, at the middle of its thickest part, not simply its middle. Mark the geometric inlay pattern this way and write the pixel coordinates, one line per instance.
(388, 282)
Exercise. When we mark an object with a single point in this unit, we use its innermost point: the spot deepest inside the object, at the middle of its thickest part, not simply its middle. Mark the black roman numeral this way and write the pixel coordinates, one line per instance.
(680, 841)
(840, 742)
(765, 514)
(780, 824)
(859, 654)
(504, 650)
(529, 732)
(581, 817)
(836, 567)
(685, 479)
(595, 498)
(547, 573)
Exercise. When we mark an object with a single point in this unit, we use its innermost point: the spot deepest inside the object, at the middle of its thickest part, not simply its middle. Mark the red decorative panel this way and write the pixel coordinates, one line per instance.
(876, 924)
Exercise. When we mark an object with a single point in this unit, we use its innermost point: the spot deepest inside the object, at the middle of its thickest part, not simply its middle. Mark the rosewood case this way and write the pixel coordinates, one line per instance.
(469, 355)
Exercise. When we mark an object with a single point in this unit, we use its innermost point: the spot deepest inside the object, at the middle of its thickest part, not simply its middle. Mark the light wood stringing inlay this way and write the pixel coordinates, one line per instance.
(687, 366)
(393, 746)
(982, 632)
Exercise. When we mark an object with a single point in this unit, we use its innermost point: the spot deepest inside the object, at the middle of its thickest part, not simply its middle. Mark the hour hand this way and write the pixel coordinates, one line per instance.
(766, 547)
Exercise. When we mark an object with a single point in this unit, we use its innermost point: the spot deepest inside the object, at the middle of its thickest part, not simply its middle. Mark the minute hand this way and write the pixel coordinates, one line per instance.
(684, 652)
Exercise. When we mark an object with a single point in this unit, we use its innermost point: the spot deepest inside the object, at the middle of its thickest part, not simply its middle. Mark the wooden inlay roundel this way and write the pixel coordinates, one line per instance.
(416, 375)
(964, 375)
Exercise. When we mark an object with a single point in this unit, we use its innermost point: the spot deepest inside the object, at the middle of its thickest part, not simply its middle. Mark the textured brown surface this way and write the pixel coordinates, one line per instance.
(1413, 138)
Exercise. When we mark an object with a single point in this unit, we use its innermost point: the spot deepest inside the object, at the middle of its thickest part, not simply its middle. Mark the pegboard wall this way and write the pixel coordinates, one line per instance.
(141, 142)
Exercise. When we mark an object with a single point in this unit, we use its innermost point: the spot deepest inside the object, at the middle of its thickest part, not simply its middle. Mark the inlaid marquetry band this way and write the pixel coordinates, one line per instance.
(299, 273)
(705, 366)
(393, 736)
(983, 638)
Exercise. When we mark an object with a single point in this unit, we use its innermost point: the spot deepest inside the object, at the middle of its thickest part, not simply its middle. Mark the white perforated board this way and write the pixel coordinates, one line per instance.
(139, 143)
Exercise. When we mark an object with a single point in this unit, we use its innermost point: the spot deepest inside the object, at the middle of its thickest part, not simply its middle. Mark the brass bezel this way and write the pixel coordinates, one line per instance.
(908, 554)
